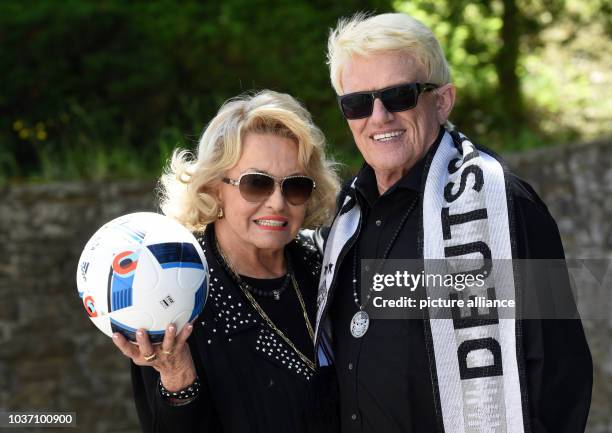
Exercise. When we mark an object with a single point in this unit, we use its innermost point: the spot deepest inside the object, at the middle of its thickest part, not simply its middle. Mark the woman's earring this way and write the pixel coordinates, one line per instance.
(220, 214)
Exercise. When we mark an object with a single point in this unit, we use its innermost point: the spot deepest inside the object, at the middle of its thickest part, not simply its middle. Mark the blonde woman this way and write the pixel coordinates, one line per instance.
(247, 363)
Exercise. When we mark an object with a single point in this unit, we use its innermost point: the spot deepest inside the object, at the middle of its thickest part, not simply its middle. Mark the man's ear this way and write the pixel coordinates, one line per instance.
(444, 102)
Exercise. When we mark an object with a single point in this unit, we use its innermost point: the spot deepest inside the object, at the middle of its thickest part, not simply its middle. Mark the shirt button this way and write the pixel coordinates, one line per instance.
(354, 416)
(378, 223)
(350, 365)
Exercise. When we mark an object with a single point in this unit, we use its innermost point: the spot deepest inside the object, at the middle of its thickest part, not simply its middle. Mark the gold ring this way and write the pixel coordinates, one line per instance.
(168, 352)
(151, 357)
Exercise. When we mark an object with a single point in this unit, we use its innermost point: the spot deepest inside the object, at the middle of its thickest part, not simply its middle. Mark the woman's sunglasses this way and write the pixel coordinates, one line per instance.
(256, 187)
(403, 97)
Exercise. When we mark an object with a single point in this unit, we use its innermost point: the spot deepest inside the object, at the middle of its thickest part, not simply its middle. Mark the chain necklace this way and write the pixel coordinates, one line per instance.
(361, 320)
(265, 293)
(228, 267)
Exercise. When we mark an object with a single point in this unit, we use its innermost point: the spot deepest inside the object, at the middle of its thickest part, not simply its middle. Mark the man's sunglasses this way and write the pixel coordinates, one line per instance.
(256, 187)
(403, 97)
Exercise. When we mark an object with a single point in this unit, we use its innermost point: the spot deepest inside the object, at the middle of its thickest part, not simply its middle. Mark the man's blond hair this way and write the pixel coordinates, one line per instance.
(364, 35)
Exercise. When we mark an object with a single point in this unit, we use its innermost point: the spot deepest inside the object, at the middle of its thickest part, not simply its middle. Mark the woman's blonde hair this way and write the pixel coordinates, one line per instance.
(363, 35)
(188, 184)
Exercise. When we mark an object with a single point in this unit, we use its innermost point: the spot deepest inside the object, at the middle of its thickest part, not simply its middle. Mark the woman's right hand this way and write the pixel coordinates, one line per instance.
(172, 359)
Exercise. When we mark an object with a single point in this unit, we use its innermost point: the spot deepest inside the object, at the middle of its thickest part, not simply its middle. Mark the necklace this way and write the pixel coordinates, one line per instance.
(361, 320)
(269, 294)
(266, 293)
(228, 267)
(263, 293)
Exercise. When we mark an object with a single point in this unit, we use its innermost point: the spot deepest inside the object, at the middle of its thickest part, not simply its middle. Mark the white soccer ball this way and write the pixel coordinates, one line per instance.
(142, 270)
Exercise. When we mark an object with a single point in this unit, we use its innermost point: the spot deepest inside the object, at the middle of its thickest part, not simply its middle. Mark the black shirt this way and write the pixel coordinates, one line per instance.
(286, 312)
(252, 381)
(384, 377)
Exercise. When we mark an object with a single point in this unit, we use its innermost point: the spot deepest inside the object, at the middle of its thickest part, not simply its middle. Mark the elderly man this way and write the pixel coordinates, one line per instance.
(426, 192)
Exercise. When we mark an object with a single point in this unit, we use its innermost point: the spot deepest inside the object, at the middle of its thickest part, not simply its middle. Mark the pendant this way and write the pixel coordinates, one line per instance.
(360, 324)
(276, 295)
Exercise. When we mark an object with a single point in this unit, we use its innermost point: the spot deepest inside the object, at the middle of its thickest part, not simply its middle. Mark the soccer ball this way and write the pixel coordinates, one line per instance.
(142, 270)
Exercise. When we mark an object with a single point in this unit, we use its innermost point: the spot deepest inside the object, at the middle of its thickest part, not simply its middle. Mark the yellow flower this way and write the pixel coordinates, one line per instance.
(24, 134)
(41, 135)
(17, 125)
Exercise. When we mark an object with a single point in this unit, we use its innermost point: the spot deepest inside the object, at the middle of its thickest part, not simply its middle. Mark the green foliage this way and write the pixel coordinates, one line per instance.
(96, 89)
(554, 89)
(107, 89)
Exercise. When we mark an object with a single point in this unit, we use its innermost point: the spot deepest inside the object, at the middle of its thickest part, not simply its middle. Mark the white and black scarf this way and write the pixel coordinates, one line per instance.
(476, 364)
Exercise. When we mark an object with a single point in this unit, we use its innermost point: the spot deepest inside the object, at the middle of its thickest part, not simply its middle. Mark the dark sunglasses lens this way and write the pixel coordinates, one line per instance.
(356, 106)
(256, 187)
(400, 98)
(297, 190)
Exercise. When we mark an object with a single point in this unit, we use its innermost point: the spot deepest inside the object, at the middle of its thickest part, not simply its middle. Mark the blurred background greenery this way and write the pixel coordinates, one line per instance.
(106, 89)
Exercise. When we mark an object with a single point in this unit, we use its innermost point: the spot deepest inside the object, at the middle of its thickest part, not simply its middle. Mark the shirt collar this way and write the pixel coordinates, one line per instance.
(366, 178)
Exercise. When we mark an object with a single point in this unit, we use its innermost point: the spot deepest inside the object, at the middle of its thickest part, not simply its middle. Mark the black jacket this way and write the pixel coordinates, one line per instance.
(252, 381)
(558, 365)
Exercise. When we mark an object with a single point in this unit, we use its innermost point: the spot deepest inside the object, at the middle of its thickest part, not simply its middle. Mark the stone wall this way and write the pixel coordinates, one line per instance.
(53, 359)
(575, 182)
